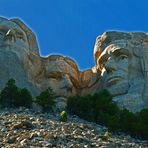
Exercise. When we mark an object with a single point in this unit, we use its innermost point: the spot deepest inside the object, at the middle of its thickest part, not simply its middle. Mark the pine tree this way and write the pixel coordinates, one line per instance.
(46, 99)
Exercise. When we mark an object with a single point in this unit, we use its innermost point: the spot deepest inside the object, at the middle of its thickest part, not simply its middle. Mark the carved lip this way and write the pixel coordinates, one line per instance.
(113, 79)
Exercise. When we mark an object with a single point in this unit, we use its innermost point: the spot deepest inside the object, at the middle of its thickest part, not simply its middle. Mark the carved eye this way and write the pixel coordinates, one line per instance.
(123, 56)
(20, 37)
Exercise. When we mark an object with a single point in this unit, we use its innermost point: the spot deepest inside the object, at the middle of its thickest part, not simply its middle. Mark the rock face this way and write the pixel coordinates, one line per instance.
(121, 66)
(16, 43)
(20, 59)
(122, 59)
(89, 81)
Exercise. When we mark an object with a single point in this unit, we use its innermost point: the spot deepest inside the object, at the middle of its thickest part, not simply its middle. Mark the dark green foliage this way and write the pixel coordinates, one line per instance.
(127, 120)
(9, 94)
(101, 109)
(46, 99)
(12, 96)
(81, 106)
(98, 108)
(142, 124)
(63, 116)
(135, 124)
(24, 99)
(104, 108)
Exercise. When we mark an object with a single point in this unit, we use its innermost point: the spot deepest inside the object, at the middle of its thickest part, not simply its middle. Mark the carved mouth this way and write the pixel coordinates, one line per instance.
(113, 80)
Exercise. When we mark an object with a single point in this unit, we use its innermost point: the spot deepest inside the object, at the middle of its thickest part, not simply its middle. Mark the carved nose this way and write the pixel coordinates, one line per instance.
(67, 84)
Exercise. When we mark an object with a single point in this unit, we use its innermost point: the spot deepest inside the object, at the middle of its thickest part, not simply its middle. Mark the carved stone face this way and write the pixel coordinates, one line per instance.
(14, 49)
(114, 65)
(61, 85)
(61, 76)
(12, 35)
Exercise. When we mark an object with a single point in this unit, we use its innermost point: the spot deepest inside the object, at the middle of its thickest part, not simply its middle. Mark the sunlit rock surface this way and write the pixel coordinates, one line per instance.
(122, 59)
(20, 59)
(121, 66)
(16, 43)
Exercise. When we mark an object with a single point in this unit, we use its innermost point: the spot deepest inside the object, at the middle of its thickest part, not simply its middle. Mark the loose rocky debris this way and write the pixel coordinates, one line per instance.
(23, 128)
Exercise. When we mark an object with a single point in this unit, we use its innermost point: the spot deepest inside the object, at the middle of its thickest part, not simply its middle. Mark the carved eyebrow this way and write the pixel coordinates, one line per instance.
(120, 51)
(55, 74)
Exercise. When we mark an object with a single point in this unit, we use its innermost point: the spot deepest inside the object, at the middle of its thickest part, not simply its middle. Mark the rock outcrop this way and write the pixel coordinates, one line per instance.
(20, 59)
(121, 66)
(122, 59)
(89, 81)
(15, 46)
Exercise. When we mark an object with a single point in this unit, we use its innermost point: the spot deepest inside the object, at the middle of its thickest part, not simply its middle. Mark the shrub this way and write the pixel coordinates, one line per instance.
(98, 107)
(25, 98)
(104, 108)
(81, 106)
(127, 120)
(63, 116)
(46, 99)
(101, 109)
(136, 124)
(12, 96)
(141, 124)
(9, 94)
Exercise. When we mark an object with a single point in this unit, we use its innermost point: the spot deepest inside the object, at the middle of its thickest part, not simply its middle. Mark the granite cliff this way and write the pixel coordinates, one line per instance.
(121, 66)
(122, 59)
(20, 59)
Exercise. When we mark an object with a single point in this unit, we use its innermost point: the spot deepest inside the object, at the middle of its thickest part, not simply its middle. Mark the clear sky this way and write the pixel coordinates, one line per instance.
(70, 27)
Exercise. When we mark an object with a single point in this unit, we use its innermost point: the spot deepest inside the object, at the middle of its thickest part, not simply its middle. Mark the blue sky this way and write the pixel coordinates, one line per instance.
(70, 27)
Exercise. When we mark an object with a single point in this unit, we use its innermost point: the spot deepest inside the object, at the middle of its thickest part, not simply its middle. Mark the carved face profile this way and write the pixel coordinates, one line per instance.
(62, 75)
(122, 60)
(114, 65)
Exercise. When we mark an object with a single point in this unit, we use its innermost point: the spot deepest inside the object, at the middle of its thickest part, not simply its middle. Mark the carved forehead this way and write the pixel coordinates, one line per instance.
(56, 64)
(62, 59)
(121, 39)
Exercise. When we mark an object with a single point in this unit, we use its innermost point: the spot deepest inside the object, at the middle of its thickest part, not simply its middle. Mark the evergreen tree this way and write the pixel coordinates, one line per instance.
(46, 99)
(25, 98)
(12, 96)
(9, 94)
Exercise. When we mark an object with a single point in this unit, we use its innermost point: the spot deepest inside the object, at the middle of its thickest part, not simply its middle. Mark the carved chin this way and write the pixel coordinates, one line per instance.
(118, 89)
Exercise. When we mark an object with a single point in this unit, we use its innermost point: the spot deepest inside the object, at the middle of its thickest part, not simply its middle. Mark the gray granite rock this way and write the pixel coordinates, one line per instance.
(122, 59)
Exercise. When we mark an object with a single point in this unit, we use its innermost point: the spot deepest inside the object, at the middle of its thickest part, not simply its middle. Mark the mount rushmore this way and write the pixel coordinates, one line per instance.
(121, 66)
